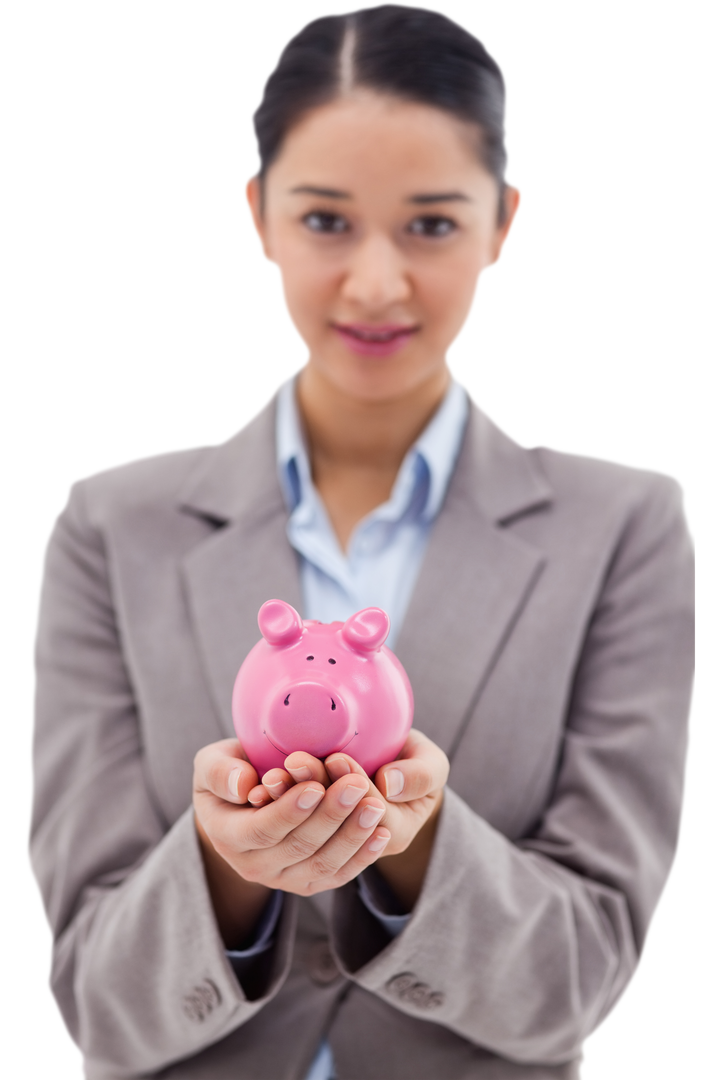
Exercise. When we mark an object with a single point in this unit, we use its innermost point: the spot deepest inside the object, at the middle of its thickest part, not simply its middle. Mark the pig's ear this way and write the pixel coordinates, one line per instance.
(279, 623)
(367, 629)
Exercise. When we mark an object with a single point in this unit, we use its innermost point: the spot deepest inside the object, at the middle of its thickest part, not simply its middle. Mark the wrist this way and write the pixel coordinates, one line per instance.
(237, 903)
(405, 871)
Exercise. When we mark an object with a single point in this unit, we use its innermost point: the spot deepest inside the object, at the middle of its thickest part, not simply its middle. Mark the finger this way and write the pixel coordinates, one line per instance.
(303, 766)
(343, 765)
(421, 765)
(339, 802)
(221, 768)
(349, 838)
(261, 828)
(259, 796)
(370, 851)
(326, 861)
(338, 765)
(253, 834)
(421, 768)
(276, 782)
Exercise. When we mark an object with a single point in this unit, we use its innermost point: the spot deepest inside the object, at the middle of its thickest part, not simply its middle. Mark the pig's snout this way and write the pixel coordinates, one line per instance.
(308, 716)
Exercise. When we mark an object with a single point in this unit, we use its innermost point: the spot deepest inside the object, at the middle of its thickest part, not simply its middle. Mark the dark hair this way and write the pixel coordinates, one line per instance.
(408, 52)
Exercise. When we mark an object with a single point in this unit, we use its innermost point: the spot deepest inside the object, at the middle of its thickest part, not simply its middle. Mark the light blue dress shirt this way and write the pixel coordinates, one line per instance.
(379, 569)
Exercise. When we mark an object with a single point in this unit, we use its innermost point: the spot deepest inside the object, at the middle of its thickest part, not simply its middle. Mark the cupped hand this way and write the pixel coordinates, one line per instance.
(410, 787)
(308, 839)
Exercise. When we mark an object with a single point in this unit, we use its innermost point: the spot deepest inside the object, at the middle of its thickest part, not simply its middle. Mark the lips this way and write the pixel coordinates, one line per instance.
(370, 340)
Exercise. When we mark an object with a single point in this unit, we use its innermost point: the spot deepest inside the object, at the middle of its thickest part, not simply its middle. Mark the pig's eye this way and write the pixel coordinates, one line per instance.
(309, 657)
(332, 661)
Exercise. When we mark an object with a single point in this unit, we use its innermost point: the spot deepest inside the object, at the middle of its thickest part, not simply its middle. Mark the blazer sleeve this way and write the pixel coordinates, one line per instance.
(523, 947)
(139, 969)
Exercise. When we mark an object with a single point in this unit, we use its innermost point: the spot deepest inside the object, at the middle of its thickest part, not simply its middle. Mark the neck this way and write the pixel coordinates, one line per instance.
(357, 446)
(344, 431)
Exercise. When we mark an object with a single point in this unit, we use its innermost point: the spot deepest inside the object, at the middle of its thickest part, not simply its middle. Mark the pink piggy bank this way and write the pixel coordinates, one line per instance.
(321, 687)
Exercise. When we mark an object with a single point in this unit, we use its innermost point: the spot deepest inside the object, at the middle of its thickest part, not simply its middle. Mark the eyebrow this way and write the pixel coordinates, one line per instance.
(324, 193)
(442, 196)
(416, 200)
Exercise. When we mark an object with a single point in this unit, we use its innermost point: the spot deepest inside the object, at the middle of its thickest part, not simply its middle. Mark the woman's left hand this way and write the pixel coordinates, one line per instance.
(412, 789)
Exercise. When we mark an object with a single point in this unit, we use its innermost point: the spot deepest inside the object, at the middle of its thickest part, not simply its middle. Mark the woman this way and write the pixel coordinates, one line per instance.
(315, 921)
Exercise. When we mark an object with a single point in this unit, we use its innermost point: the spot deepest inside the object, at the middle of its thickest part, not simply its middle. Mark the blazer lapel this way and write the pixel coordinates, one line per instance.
(245, 561)
(475, 580)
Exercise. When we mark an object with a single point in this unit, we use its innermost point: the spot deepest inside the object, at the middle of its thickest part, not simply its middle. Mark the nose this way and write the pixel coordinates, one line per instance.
(308, 716)
(377, 277)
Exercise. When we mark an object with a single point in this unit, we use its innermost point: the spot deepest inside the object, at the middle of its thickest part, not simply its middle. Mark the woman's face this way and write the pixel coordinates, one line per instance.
(380, 217)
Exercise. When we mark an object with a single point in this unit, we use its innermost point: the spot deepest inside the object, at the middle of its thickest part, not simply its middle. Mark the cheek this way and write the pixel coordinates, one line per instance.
(310, 286)
(447, 288)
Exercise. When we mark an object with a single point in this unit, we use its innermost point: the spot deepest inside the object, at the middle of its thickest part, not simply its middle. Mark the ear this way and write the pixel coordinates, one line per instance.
(254, 194)
(511, 198)
(279, 623)
(366, 630)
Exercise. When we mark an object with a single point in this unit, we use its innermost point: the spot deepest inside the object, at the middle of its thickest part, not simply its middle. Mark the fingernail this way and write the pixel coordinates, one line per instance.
(351, 795)
(338, 768)
(370, 815)
(233, 781)
(278, 788)
(378, 843)
(301, 773)
(394, 783)
(309, 797)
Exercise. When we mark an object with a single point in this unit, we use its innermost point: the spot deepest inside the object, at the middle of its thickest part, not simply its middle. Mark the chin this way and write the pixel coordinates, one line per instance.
(377, 380)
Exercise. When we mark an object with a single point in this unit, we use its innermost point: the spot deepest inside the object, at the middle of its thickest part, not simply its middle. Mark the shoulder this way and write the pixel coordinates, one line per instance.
(214, 482)
(512, 483)
(136, 487)
(596, 497)
(590, 481)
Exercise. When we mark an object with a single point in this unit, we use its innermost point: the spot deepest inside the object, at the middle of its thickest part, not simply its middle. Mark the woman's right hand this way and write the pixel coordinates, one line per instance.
(309, 840)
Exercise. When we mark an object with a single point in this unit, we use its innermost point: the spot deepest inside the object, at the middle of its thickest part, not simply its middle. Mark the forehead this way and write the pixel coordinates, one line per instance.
(368, 138)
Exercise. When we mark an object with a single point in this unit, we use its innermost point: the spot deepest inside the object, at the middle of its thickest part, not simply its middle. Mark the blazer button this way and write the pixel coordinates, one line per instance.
(200, 1003)
(417, 994)
(321, 965)
(400, 984)
(408, 987)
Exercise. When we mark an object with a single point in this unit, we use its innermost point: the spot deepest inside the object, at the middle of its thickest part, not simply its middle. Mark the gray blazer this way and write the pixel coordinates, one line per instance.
(548, 642)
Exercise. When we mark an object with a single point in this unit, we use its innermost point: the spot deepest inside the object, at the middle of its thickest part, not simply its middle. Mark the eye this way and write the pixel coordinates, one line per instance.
(431, 225)
(309, 657)
(332, 661)
(323, 221)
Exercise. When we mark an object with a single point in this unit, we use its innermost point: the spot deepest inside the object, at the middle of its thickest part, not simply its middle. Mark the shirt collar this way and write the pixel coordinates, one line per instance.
(439, 445)
(424, 475)
(292, 456)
